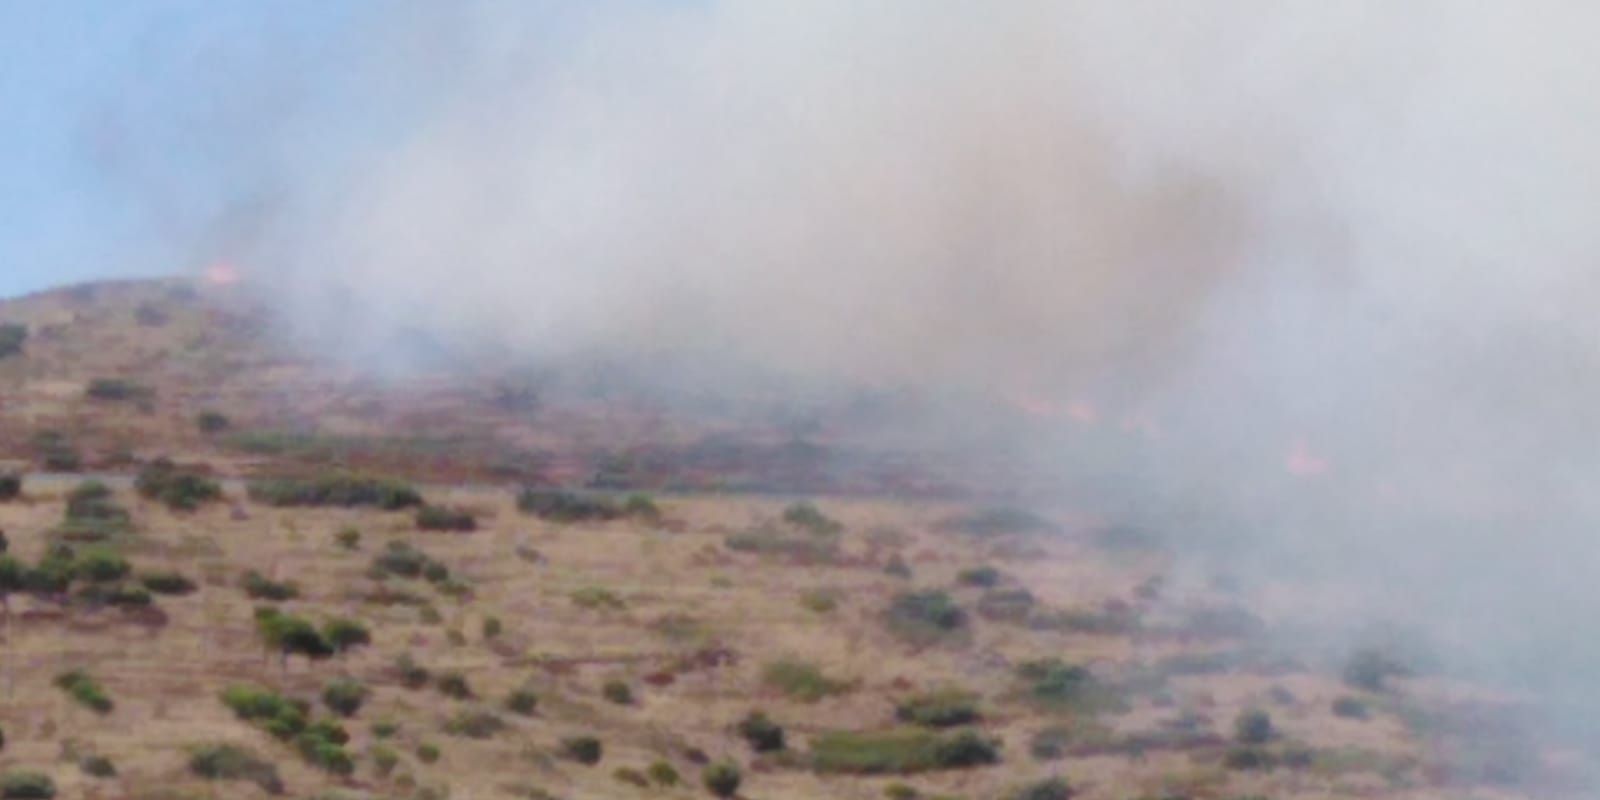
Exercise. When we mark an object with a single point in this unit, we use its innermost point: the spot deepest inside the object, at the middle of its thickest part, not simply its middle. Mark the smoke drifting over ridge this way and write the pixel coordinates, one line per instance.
(1358, 237)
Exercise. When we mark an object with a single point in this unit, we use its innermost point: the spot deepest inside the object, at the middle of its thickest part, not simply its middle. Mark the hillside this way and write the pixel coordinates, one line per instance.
(170, 636)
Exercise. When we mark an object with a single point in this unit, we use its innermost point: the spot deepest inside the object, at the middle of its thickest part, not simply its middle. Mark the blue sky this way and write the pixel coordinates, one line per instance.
(127, 126)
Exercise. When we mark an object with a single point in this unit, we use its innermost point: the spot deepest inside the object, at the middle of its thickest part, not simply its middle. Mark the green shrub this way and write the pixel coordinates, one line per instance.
(1371, 669)
(474, 725)
(943, 708)
(617, 692)
(1052, 743)
(412, 675)
(174, 583)
(820, 601)
(27, 786)
(998, 522)
(440, 518)
(900, 752)
(99, 565)
(982, 577)
(178, 488)
(344, 491)
(278, 715)
(1048, 789)
(768, 540)
(344, 635)
(762, 734)
(10, 486)
(12, 338)
(559, 506)
(344, 696)
(291, 635)
(260, 587)
(1248, 758)
(212, 422)
(55, 452)
(641, 506)
(93, 515)
(428, 753)
(631, 776)
(801, 681)
(348, 539)
(925, 617)
(522, 701)
(1349, 708)
(97, 766)
(85, 690)
(810, 518)
(384, 760)
(896, 567)
(663, 774)
(322, 745)
(454, 685)
(901, 791)
(723, 779)
(403, 560)
(492, 627)
(595, 597)
(1058, 686)
(228, 762)
(585, 750)
(1252, 727)
(117, 390)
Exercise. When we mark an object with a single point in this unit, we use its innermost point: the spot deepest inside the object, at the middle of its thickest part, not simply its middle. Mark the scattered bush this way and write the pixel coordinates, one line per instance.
(178, 488)
(762, 734)
(1349, 708)
(260, 587)
(585, 750)
(440, 518)
(403, 560)
(663, 774)
(278, 715)
(475, 725)
(454, 685)
(1057, 685)
(559, 506)
(810, 518)
(492, 628)
(344, 491)
(522, 701)
(93, 515)
(1253, 727)
(897, 567)
(99, 565)
(10, 486)
(771, 540)
(348, 539)
(982, 577)
(212, 422)
(173, 583)
(1248, 758)
(723, 779)
(322, 745)
(344, 635)
(1006, 605)
(117, 390)
(925, 617)
(412, 675)
(97, 766)
(595, 597)
(228, 762)
(631, 776)
(345, 696)
(617, 692)
(1371, 669)
(641, 506)
(27, 786)
(800, 680)
(943, 708)
(291, 635)
(85, 690)
(428, 753)
(900, 752)
(55, 452)
(12, 338)
(384, 760)
(820, 601)
(1048, 789)
(998, 522)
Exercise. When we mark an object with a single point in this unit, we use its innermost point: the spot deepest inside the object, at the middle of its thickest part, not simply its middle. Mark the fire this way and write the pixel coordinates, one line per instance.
(1301, 462)
(222, 274)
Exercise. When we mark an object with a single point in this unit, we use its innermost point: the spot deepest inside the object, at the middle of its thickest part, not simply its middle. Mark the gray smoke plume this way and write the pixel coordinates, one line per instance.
(1321, 270)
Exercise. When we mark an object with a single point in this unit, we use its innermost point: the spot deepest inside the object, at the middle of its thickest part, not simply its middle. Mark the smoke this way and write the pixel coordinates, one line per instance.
(1333, 260)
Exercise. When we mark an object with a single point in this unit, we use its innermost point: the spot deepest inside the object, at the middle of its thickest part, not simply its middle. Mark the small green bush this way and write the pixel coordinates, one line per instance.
(93, 515)
(344, 491)
(228, 762)
(180, 489)
(97, 766)
(522, 701)
(348, 539)
(900, 752)
(492, 628)
(631, 776)
(808, 517)
(99, 565)
(1371, 669)
(1253, 727)
(586, 750)
(617, 692)
(1248, 758)
(55, 452)
(1048, 789)
(559, 506)
(172, 583)
(475, 725)
(412, 675)
(896, 567)
(10, 486)
(384, 760)
(345, 635)
(998, 522)
(800, 680)
(641, 506)
(85, 690)
(982, 577)
(428, 753)
(260, 587)
(440, 518)
(663, 774)
(12, 338)
(345, 696)
(761, 733)
(595, 597)
(820, 601)
(942, 708)
(723, 779)
(925, 617)
(117, 390)
(27, 786)
(454, 685)
(1349, 708)
(212, 422)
